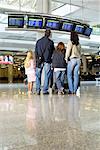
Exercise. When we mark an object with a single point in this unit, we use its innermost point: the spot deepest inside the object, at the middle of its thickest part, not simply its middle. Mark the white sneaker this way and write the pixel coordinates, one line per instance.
(61, 92)
(78, 92)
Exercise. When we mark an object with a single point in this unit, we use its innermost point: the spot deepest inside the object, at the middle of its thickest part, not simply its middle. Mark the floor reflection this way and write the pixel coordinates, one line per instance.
(31, 116)
(50, 122)
(74, 111)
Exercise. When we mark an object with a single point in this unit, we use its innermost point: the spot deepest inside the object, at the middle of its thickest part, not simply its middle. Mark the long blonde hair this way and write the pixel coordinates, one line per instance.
(30, 55)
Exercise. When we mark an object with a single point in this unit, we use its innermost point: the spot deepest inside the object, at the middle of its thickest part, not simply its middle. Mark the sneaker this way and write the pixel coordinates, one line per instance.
(46, 93)
(70, 93)
(37, 93)
(61, 92)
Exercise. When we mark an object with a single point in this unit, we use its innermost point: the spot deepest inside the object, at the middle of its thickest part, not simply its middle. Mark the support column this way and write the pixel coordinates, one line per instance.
(42, 6)
(10, 73)
(84, 64)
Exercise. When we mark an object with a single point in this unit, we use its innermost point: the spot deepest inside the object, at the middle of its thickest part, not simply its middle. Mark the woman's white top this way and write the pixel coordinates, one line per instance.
(73, 51)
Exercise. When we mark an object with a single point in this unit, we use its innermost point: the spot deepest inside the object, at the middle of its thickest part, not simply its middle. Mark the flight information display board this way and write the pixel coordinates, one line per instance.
(16, 21)
(34, 22)
(79, 29)
(88, 31)
(67, 26)
(52, 24)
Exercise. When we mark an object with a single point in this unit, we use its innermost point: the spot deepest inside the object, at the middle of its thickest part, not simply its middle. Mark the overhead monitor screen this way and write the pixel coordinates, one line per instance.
(6, 59)
(16, 21)
(53, 24)
(34, 22)
(79, 29)
(88, 31)
(67, 26)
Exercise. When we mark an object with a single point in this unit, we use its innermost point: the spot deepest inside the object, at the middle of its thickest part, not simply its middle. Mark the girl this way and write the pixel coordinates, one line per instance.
(30, 66)
(59, 65)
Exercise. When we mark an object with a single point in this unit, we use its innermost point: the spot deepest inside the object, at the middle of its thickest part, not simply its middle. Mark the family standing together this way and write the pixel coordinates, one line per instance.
(54, 61)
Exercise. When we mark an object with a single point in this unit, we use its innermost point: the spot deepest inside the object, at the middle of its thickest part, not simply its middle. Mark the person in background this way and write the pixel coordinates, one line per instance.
(73, 54)
(30, 67)
(59, 65)
(10, 59)
(44, 49)
(6, 58)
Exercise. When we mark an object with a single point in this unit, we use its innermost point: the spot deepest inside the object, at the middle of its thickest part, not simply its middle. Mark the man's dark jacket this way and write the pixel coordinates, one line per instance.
(45, 47)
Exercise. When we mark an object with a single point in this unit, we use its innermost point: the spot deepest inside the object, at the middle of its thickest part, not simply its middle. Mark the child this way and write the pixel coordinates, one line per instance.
(59, 65)
(30, 66)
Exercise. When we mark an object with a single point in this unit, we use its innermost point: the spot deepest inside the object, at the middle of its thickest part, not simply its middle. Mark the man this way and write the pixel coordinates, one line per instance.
(43, 50)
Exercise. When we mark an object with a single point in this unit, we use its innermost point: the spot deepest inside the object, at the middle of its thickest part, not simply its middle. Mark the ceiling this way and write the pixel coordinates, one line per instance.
(88, 11)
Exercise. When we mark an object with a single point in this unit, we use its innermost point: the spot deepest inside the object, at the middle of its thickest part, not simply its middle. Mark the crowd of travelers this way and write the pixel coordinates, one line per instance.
(55, 63)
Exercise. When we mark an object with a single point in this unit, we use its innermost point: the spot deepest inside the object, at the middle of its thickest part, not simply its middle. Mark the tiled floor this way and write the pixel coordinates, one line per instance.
(49, 122)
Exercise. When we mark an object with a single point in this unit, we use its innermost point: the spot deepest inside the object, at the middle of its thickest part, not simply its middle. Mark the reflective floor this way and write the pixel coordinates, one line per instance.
(50, 122)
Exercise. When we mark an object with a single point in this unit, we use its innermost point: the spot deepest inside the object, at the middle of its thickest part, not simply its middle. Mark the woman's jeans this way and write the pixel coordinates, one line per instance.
(73, 69)
(46, 73)
(59, 79)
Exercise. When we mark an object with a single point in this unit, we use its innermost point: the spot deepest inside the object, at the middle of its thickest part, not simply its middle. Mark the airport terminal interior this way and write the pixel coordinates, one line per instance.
(49, 122)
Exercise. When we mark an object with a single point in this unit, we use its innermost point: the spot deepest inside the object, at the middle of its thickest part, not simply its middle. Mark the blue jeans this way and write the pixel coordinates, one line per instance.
(73, 69)
(59, 79)
(46, 73)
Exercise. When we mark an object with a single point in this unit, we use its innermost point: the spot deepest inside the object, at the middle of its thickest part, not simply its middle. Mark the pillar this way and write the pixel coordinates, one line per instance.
(42, 6)
(84, 63)
(10, 73)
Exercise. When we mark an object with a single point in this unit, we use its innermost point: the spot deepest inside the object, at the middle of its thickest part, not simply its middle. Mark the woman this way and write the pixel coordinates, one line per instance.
(59, 65)
(72, 57)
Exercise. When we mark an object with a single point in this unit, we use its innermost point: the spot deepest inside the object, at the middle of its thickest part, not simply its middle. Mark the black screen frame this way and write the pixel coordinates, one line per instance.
(53, 19)
(90, 31)
(67, 23)
(34, 27)
(16, 26)
(80, 26)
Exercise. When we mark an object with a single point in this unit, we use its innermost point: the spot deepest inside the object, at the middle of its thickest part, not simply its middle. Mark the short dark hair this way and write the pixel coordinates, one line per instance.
(74, 38)
(47, 32)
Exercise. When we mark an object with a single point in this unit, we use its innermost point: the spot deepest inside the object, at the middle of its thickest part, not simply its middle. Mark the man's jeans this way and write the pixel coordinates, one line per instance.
(59, 79)
(46, 74)
(73, 69)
